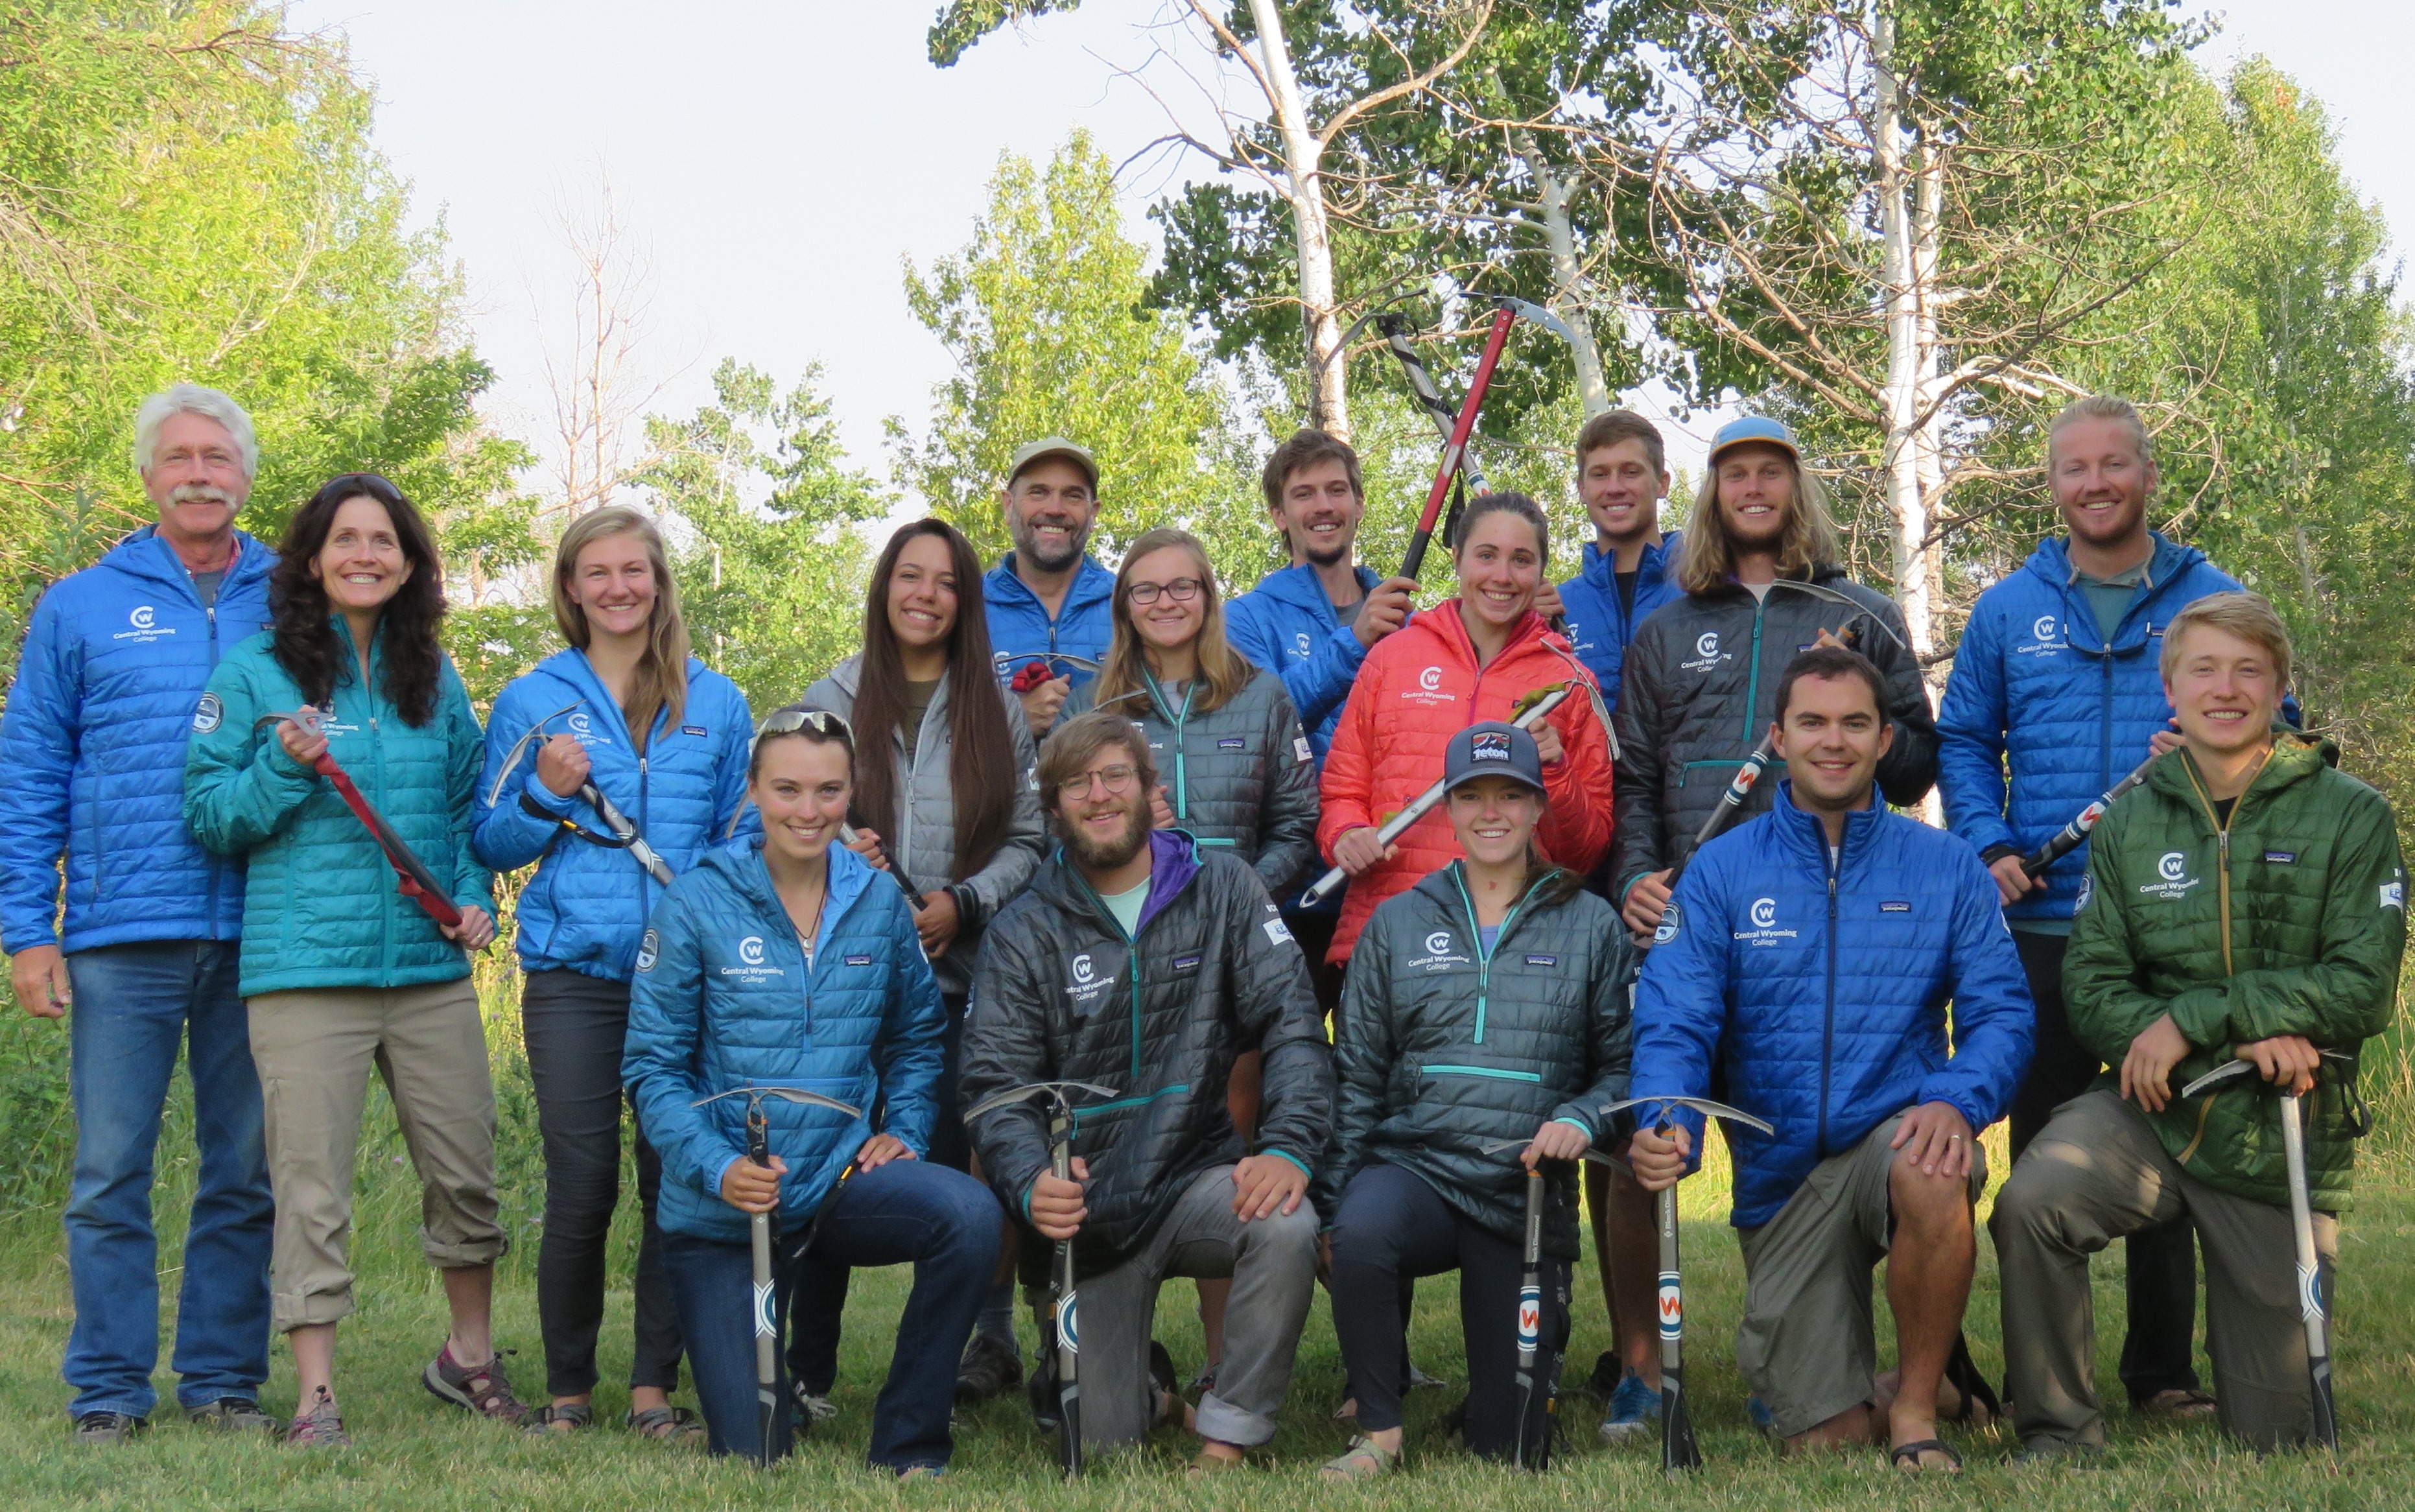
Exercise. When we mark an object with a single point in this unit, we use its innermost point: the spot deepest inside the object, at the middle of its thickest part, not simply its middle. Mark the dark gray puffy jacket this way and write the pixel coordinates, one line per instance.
(1062, 992)
(1700, 689)
(1442, 1047)
(1241, 775)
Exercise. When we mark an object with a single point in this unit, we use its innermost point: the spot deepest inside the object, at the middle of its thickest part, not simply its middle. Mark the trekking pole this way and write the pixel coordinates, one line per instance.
(2073, 835)
(1678, 1450)
(767, 1322)
(1454, 450)
(2311, 1310)
(1398, 824)
(1064, 1324)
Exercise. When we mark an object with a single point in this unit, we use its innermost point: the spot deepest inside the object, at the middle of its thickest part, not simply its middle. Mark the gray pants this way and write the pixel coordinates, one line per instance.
(1273, 1261)
(2094, 1173)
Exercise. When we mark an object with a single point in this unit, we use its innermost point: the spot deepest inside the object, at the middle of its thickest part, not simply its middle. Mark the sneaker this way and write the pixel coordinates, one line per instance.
(483, 1389)
(990, 1367)
(1634, 1407)
(321, 1427)
(232, 1414)
(105, 1427)
(1419, 1381)
(811, 1408)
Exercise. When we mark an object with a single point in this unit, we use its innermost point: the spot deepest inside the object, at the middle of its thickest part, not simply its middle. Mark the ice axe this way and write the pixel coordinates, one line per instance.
(624, 836)
(1678, 1450)
(1064, 1322)
(2302, 1226)
(767, 1325)
(2073, 835)
(412, 878)
(1533, 1369)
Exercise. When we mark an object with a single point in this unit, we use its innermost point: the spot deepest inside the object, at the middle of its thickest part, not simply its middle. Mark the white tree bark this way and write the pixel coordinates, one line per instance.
(1553, 194)
(1911, 351)
(1303, 154)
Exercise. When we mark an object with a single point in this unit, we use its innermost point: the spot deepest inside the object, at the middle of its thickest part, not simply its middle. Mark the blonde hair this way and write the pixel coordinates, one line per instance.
(2249, 616)
(1221, 675)
(2103, 407)
(659, 681)
(1809, 541)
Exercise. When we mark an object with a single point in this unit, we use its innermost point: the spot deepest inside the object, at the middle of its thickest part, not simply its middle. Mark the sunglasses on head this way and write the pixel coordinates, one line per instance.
(788, 721)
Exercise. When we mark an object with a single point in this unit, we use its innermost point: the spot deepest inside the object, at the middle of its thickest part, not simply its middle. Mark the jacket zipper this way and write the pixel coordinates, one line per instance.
(1132, 958)
(1828, 1020)
(2222, 895)
(1493, 1071)
(1483, 956)
(210, 612)
(1752, 684)
(1179, 720)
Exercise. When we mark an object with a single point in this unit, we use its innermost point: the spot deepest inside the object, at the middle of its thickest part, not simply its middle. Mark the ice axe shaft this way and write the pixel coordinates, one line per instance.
(2075, 835)
(1455, 450)
(411, 877)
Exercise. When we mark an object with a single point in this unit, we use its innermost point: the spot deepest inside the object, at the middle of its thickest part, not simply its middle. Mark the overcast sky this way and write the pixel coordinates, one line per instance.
(780, 160)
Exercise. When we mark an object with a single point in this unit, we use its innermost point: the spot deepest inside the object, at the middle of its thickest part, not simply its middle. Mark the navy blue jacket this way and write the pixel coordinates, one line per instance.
(723, 999)
(587, 904)
(91, 752)
(1821, 990)
(1287, 627)
(2038, 690)
(1597, 630)
(1021, 631)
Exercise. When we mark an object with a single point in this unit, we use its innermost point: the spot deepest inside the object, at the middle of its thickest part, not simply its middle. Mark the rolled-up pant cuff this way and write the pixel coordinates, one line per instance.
(1221, 1420)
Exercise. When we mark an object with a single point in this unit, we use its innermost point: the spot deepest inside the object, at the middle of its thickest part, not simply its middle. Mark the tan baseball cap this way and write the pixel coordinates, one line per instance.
(1048, 446)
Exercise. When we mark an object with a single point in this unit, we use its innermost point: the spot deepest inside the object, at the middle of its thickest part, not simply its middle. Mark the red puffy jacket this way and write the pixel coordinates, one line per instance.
(1417, 688)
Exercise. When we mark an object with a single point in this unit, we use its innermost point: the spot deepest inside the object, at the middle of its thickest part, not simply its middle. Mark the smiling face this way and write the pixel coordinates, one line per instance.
(1050, 507)
(1500, 566)
(1831, 741)
(2101, 482)
(362, 565)
(1622, 491)
(803, 786)
(1167, 623)
(1493, 817)
(1320, 512)
(613, 583)
(2225, 691)
(922, 593)
(1103, 813)
(1756, 494)
(196, 477)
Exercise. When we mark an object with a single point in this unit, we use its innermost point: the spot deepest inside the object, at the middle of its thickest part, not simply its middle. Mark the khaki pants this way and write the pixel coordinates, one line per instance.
(314, 1048)
(2096, 1173)
(1808, 1343)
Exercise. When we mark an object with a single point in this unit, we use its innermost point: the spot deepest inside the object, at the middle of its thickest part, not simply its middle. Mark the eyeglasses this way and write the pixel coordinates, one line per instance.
(789, 721)
(1182, 590)
(1118, 780)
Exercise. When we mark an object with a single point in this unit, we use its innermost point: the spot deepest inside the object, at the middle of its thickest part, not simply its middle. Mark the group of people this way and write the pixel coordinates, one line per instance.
(1051, 828)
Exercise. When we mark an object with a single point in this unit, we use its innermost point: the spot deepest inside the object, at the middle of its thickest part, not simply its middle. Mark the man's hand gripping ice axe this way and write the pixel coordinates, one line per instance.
(1678, 1450)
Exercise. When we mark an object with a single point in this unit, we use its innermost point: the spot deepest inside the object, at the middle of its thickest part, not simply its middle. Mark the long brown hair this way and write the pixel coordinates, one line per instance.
(1809, 541)
(1222, 673)
(305, 642)
(980, 761)
(659, 680)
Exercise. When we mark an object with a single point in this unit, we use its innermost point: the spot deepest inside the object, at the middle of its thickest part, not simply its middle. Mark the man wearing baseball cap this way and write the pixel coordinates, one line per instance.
(1048, 600)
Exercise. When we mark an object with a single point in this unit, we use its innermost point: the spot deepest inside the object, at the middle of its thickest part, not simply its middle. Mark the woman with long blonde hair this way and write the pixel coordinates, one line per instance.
(640, 767)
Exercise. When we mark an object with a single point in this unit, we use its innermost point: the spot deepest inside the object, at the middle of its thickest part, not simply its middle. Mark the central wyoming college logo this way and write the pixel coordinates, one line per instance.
(1764, 912)
(1439, 941)
(1707, 643)
(141, 617)
(750, 949)
(2043, 628)
(1084, 971)
(1430, 679)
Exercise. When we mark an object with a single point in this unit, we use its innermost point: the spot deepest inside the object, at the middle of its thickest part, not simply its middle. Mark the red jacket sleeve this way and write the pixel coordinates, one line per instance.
(1346, 793)
(1576, 830)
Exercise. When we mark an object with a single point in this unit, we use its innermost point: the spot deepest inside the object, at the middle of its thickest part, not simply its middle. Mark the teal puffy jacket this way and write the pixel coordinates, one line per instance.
(320, 907)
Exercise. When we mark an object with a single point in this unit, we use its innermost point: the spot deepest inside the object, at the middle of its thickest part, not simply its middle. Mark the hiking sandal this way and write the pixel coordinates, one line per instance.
(483, 1389)
(1907, 1457)
(1365, 1460)
(2176, 1401)
(666, 1425)
(564, 1417)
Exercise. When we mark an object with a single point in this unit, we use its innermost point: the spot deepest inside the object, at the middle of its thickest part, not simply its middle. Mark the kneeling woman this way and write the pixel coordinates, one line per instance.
(786, 960)
(1485, 1004)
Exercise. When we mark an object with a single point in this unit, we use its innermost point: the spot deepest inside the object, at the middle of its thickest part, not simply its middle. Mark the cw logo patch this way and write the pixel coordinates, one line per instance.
(2043, 627)
(2173, 881)
(1764, 912)
(1707, 643)
(141, 617)
(750, 949)
(1438, 941)
(579, 724)
(1301, 640)
(1084, 971)
(1430, 679)
(2173, 865)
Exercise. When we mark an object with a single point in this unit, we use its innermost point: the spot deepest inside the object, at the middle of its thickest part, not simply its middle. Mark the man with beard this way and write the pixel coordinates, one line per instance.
(2055, 695)
(1048, 603)
(92, 771)
(1138, 961)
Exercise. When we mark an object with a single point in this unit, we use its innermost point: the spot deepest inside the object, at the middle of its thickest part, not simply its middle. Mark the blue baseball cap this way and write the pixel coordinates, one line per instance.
(1493, 749)
(1758, 427)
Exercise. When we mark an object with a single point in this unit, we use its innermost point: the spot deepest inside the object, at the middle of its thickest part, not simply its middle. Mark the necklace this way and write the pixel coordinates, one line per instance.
(806, 936)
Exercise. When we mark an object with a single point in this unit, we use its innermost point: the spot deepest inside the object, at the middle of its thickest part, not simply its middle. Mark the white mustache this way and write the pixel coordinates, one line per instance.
(199, 493)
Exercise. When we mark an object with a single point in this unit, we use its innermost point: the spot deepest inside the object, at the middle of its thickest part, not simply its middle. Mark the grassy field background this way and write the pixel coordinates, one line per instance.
(416, 1453)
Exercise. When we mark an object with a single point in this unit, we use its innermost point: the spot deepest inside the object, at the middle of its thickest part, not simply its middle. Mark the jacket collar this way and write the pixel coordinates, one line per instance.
(1173, 862)
(2296, 757)
(1302, 589)
(143, 555)
(571, 667)
(1092, 584)
(740, 861)
(1447, 623)
(848, 677)
(1801, 831)
(2051, 561)
(1651, 569)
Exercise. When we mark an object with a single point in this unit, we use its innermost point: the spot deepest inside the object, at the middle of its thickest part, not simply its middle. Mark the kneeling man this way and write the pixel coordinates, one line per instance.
(1139, 962)
(1810, 956)
(2248, 901)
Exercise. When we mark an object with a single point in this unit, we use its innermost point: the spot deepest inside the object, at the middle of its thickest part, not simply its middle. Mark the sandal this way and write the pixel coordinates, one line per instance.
(567, 1417)
(1906, 1457)
(666, 1425)
(2176, 1401)
(1364, 1459)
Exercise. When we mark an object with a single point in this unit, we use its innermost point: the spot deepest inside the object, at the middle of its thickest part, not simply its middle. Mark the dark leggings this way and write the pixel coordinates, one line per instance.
(1392, 1227)
(2156, 1354)
(573, 1025)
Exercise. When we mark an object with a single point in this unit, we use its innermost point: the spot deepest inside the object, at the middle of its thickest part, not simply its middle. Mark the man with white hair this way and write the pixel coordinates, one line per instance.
(92, 773)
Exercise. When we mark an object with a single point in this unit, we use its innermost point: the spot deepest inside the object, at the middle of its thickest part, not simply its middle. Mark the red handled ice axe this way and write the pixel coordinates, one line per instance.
(412, 878)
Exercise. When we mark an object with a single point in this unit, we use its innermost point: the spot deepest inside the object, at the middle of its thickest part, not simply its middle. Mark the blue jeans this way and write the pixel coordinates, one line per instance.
(942, 1220)
(135, 1005)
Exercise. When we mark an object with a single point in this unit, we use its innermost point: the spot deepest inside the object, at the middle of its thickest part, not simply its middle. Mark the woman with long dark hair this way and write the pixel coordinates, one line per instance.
(942, 800)
(341, 972)
(625, 713)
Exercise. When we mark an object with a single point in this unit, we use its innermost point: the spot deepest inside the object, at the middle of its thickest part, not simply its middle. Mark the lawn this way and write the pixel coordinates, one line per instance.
(416, 1453)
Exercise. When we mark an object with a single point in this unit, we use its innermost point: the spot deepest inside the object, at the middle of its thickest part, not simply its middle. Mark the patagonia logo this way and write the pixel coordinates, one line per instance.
(859, 960)
(1895, 908)
(694, 729)
(1233, 742)
(1186, 963)
(2282, 858)
(1542, 960)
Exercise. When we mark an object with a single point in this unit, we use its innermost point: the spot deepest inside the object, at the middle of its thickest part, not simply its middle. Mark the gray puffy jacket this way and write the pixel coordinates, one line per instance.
(925, 846)
(1441, 1046)
(1700, 689)
(1062, 992)
(1241, 775)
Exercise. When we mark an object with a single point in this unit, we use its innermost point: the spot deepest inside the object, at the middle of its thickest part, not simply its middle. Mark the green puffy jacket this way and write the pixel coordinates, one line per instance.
(2290, 920)
(320, 907)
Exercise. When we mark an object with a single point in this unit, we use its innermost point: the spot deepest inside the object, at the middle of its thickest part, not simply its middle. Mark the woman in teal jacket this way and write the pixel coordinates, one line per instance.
(339, 971)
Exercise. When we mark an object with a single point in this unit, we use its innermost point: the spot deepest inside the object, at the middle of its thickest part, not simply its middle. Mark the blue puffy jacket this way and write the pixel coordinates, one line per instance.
(1822, 996)
(587, 904)
(91, 752)
(2034, 687)
(722, 998)
(1021, 631)
(1286, 625)
(1596, 629)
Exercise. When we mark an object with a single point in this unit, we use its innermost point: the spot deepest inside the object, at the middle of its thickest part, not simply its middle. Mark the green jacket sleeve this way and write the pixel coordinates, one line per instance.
(240, 786)
(2100, 968)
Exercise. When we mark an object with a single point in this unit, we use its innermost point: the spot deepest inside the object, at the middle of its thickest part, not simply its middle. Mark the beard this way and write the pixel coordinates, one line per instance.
(1107, 855)
(1048, 559)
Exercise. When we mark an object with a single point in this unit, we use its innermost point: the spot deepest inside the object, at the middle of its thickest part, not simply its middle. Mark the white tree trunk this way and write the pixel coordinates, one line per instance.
(1901, 297)
(1328, 400)
(1568, 301)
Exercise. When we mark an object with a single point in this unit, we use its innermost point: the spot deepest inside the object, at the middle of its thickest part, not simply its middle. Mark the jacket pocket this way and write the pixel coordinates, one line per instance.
(1495, 1072)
